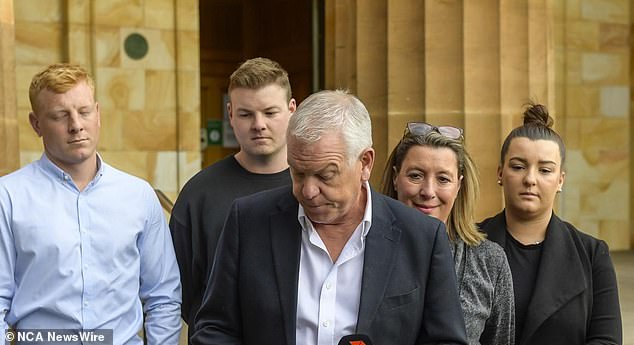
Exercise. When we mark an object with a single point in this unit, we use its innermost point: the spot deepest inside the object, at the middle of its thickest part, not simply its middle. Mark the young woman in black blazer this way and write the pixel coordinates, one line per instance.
(564, 281)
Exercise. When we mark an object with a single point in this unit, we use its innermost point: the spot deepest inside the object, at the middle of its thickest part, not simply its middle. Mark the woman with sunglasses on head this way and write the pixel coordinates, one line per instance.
(431, 171)
(564, 280)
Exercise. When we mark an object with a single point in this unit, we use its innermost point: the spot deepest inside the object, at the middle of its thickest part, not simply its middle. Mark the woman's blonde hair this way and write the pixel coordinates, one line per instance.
(461, 220)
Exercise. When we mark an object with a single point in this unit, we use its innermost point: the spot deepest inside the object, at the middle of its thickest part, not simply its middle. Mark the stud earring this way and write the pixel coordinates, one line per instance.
(500, 182)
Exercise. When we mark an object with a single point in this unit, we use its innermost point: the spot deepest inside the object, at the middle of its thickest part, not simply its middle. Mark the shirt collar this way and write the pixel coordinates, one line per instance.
(367, 215)
(50, 168)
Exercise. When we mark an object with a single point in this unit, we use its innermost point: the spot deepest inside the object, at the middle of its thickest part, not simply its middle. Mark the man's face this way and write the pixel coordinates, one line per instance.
(330, 190)
(259, 118)
(69, 125)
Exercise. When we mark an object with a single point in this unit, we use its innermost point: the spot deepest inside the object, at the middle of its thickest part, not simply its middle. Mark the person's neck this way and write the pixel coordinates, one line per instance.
(81, 173)
(336, 235)
(269, 164)
(527, 230)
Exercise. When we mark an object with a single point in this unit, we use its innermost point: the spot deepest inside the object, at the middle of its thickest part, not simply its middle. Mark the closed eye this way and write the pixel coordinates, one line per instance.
(326, 178)
(444, 180)
(58, 116)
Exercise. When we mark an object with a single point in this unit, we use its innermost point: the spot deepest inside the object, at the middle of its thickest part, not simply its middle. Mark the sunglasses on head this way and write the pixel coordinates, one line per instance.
(422, 128)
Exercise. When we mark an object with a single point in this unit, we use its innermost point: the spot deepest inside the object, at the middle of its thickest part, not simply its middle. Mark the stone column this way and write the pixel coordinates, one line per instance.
(9, 147)
(483, 34)
(406, 79)
(372, 50)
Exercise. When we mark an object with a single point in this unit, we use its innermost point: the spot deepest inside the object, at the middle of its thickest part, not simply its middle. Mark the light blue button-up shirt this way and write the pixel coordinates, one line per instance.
(96, 259)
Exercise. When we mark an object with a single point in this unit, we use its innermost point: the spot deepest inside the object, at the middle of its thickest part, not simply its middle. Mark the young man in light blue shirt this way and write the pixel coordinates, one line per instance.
(82, 244)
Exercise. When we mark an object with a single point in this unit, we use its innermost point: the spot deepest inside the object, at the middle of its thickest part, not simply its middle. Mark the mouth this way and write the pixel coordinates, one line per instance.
(317, 206)
(427, 209)
(312, 207)
(77, 141)
(529, 195)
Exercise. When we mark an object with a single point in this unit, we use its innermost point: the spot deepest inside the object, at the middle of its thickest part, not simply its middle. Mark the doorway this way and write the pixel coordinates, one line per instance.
(231, 31)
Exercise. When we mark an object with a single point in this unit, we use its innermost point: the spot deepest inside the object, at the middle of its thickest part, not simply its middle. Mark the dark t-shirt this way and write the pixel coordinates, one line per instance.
(199, 215)
(524, 263)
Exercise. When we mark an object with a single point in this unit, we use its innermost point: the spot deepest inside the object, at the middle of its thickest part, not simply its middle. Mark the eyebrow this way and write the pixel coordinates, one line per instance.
(522, 160)
(417, 167)
(329, 167)
(251, 110)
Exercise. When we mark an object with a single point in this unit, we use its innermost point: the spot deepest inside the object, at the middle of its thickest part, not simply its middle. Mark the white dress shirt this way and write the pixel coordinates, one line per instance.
(329, 293)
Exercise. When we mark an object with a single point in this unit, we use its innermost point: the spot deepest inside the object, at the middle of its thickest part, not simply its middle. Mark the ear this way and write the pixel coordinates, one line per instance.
(562, 177)
(35, 123)
(292, 106)
(98, 115)
(367, 161)
(460, 181)
(499, 173)
(229, 110)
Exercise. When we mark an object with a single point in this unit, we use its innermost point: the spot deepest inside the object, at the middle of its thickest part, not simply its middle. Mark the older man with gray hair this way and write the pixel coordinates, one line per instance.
(329, 257)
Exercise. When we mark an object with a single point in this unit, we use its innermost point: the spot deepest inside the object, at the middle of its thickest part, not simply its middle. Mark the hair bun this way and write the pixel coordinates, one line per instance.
(537, 115)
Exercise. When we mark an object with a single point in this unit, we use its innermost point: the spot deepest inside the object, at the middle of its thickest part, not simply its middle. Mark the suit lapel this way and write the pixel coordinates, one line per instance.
(560, 277)
(378, 262)
(285, 238)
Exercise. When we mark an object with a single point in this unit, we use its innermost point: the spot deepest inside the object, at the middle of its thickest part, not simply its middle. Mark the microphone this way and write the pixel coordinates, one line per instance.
(355, 339)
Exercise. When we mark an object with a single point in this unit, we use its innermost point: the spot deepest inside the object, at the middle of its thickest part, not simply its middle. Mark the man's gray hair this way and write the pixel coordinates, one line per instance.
(331, 111)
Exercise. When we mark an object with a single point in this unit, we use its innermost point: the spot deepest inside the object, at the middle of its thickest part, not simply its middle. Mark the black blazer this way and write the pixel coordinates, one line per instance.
(408, 293)
(575, 300)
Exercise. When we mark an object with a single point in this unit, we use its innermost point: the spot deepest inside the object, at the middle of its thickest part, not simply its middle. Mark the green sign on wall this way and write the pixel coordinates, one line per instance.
(214, 132)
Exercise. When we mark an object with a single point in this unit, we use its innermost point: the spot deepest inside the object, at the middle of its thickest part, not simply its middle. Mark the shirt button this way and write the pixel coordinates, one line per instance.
(325, 323)
(85, 304)
(328, 286)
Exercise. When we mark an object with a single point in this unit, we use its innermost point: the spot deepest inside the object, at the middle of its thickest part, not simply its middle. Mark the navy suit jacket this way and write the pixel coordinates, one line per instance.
(575, 300)
(408, 292)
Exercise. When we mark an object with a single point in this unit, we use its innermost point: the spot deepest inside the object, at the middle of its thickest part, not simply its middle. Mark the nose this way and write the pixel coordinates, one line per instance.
(259, 123)
(427, 190)
(309, 189)
(529, 178)
(74, 123)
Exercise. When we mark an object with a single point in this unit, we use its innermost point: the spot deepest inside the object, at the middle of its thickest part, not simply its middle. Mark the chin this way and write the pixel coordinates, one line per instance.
(527, 211)
(261, 153)
(321, 219)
